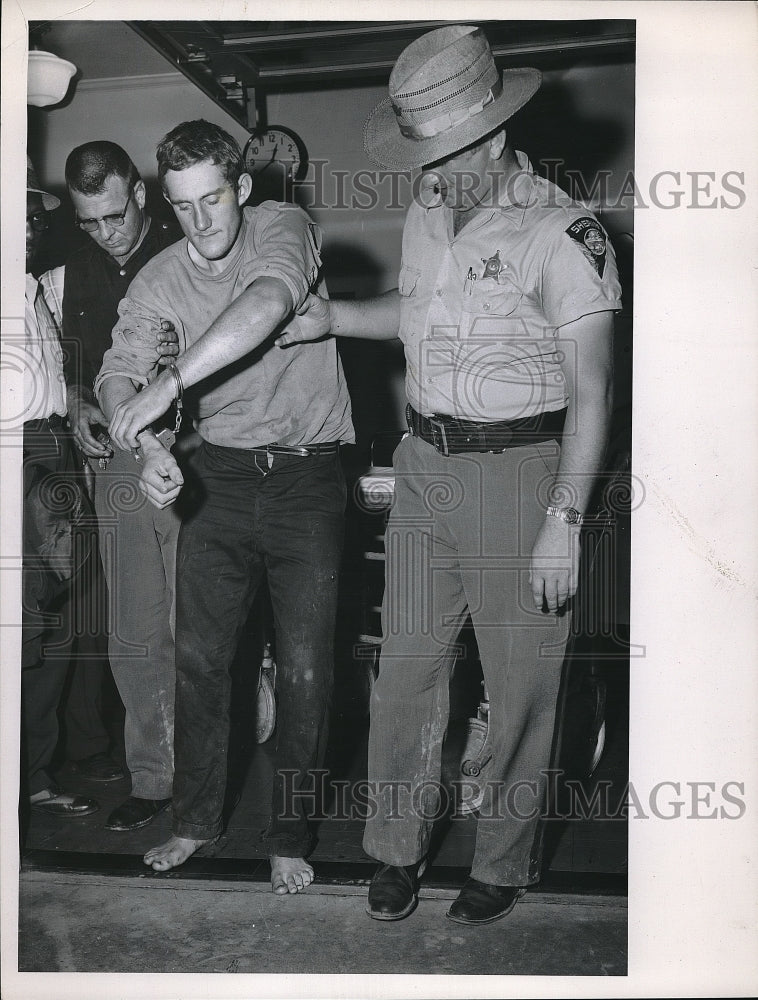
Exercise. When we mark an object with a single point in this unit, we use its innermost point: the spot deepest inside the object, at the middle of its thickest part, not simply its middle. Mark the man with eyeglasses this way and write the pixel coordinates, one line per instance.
(137, 540)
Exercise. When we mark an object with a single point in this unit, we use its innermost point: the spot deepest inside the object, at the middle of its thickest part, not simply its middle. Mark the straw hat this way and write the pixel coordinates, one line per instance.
(445, 93)
(49, 201)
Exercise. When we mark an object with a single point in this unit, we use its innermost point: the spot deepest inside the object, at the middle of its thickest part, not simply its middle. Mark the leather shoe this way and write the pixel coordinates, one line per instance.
(134, 813)
(55, 802)
(98, 767)
(393, 893)
(481, 903)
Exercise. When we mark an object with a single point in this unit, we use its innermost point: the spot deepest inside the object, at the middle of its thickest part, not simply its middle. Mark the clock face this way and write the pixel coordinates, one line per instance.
(277, 150)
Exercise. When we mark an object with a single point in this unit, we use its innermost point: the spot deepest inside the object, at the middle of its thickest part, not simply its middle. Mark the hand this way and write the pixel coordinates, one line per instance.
(168, 342)
(83, 416)
(161, 479)
(312, 322)
(554, 569)
(133, 415)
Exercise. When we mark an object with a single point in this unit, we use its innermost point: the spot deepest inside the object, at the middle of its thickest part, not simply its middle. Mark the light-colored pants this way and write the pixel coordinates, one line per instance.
(138, 549)
(459, 538)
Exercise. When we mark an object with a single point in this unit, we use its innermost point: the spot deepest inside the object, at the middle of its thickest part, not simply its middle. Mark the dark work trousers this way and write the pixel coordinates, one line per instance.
(52, 615)
(283, 517)
(85, 730)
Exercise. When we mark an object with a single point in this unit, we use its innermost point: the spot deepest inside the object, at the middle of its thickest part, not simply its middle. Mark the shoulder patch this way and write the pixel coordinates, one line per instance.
(591, 239)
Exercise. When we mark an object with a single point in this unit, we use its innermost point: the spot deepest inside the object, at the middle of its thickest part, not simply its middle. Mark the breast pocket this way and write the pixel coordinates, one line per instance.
(490, 307)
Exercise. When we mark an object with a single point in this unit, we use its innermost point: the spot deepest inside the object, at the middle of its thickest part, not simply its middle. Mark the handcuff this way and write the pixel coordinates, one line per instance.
(167, 436)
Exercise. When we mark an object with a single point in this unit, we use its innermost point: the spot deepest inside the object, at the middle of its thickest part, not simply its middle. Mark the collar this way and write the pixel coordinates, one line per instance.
(514, 197)
(518, 193)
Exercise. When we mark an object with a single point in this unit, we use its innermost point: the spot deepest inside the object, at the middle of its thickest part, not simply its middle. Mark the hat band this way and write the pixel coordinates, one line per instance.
(450, 119)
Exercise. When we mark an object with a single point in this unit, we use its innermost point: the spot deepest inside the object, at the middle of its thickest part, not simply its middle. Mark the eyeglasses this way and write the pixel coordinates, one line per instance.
(39, 221)
(90, 225)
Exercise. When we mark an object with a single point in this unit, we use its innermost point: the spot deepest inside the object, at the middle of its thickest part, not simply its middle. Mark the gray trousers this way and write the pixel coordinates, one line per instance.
(459, 539)
(138, 550)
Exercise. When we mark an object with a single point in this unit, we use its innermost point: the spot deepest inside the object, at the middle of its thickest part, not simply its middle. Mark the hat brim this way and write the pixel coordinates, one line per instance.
(386, 145)
(49, 201)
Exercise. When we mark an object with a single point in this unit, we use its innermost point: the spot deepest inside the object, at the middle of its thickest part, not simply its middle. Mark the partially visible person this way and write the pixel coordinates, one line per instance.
(137, 542)
(53, 504)
(269, 472)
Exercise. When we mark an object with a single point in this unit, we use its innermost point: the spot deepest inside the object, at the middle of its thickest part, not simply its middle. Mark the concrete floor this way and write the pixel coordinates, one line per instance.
(75, 923)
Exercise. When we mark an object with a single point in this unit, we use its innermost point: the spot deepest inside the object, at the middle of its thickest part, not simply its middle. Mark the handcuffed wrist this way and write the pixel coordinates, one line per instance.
(147, 442)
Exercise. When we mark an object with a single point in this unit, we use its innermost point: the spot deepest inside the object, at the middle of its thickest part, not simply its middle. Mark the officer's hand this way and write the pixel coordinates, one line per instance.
(161, 479)
(136, 413)
(168, 342)
(554, 568)
(312, 322)
(83, 417)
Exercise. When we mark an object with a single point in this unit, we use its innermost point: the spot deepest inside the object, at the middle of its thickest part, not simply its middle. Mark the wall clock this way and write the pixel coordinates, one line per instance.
(275, 158)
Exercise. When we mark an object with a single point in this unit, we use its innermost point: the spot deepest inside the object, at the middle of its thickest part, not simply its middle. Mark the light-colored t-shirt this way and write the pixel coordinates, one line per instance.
(293, 396)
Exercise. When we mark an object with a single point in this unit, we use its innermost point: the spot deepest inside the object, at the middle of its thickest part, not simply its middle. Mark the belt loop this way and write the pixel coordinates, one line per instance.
(439, 436)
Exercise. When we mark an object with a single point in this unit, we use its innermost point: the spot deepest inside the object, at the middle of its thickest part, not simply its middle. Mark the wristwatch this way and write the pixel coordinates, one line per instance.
(568, 514)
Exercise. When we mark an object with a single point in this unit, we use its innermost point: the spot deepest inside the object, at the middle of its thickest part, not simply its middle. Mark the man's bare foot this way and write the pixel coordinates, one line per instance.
(289, 874)
(173, 853)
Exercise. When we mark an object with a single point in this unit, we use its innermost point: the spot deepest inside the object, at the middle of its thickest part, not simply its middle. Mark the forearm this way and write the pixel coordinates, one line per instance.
(119, 389)
(583, 446)
(245, 324)
(370, 319)
(113, 391)
(587, 365)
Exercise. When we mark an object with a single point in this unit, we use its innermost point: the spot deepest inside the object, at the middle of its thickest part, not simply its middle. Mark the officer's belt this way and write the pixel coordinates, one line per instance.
(451, 436)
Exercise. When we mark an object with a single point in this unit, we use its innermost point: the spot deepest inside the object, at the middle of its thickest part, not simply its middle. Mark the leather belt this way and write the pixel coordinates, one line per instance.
(327, 448)
(451, 436)
(54, 423)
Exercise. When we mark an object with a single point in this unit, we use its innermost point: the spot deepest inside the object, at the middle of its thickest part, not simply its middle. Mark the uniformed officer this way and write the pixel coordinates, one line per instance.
(504, 305)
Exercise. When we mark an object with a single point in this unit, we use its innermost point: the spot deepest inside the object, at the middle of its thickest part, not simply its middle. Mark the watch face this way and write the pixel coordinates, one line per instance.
(278, 150)
(571, 516)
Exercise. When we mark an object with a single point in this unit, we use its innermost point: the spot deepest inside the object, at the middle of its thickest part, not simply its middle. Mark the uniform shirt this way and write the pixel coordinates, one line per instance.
(293, 397)
(89, 289)
(480, 311)
(44, 385)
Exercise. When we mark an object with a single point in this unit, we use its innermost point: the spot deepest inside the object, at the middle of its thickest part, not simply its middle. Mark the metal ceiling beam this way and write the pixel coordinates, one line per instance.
(220, 67)
(367, 31)
(499, 51)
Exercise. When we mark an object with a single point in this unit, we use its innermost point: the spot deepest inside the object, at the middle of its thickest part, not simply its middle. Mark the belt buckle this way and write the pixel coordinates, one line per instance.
(439, 436)
(283, 449)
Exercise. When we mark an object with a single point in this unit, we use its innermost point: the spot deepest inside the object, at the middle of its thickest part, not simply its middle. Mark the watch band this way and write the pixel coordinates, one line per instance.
(568, 514)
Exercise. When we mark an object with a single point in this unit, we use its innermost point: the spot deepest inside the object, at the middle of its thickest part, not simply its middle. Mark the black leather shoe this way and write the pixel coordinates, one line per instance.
(134, 813)
(393, 893)
(481, 903)
(55, 802)
(98, 767)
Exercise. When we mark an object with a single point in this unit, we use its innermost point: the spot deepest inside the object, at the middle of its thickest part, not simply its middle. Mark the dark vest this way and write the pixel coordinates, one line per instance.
(94, 285)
